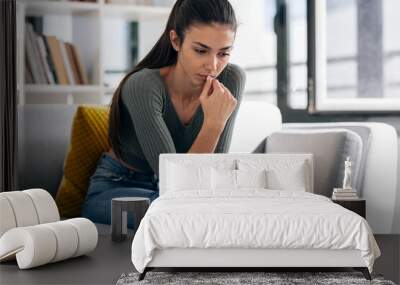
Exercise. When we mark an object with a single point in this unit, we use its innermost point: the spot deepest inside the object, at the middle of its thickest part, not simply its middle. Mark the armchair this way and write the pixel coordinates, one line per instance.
(379, 171)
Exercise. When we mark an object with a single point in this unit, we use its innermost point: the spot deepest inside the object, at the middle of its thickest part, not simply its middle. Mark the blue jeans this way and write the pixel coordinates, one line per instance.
(110, 180)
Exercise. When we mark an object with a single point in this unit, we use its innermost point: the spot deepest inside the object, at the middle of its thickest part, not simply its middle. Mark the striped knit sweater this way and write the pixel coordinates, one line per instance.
(150, 125)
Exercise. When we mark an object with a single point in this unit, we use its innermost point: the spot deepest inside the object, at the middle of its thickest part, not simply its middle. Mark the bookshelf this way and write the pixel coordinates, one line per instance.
(84, 26)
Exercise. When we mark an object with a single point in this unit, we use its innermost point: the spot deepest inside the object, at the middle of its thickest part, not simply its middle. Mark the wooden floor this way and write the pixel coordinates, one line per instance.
(111, 259)
(389, 262)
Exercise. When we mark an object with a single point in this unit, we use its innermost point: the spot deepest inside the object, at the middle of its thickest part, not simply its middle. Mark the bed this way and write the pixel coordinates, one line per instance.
(247, 210)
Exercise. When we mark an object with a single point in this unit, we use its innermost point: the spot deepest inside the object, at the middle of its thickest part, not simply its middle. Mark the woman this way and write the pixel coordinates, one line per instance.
(183, 97)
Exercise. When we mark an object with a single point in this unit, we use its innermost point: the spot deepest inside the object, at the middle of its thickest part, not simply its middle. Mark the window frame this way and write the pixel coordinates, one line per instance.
(318, 102)
(290, 114)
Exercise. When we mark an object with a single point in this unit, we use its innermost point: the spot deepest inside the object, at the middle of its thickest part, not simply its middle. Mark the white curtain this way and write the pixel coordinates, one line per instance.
(8, 96)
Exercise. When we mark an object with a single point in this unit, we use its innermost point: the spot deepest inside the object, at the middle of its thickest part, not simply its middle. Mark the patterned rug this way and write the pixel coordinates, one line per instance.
(243, 278)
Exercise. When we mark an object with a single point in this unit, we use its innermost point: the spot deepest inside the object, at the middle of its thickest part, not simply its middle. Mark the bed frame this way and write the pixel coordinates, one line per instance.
(242, 259)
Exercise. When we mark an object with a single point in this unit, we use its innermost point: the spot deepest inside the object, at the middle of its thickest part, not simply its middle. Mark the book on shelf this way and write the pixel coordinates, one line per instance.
(45, 60)
(28, 74)
(56, 57)
(74, 66)
(67, 63)
(83, 77)
(49, 60)
(33, 55)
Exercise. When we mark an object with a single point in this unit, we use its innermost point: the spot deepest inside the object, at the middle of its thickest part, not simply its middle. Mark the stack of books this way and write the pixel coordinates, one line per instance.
(52, 61)
(344, 194)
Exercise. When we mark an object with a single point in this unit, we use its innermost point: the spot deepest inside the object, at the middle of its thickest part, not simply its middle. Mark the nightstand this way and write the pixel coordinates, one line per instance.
(356, 205)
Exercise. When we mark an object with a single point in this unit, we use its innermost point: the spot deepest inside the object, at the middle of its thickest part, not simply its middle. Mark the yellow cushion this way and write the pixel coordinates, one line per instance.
(89, 139)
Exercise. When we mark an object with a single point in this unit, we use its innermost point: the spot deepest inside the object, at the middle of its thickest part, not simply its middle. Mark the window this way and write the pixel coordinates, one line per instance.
(255, 48)
(356, 56)
(121, 52)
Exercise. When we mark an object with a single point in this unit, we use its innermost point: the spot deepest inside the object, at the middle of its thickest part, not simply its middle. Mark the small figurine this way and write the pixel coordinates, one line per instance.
(347, 174)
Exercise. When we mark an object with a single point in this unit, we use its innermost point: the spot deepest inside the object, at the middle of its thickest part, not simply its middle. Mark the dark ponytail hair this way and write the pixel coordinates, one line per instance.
(184, 13)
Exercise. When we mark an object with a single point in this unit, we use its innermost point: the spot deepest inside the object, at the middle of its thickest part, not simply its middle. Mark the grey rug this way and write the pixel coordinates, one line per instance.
(229, 278)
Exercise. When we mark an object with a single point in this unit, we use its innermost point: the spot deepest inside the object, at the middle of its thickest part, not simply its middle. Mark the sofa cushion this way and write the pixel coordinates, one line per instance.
(327, 146)
(89, 139)
(43, 137)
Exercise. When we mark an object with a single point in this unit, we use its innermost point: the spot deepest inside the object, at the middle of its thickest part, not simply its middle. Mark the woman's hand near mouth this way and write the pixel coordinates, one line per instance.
(217, 102)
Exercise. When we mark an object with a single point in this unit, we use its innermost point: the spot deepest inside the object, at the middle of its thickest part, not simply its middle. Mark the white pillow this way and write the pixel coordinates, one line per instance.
(251, 178)
(292, 179)
(280, 174)
(182, 177)
(229, 179)
(223, 179)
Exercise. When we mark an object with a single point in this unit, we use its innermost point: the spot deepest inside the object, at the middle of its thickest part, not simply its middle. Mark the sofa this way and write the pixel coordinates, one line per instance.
(44, 133)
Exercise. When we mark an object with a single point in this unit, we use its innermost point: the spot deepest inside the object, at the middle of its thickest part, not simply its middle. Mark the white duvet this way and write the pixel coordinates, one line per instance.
(252, 218)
